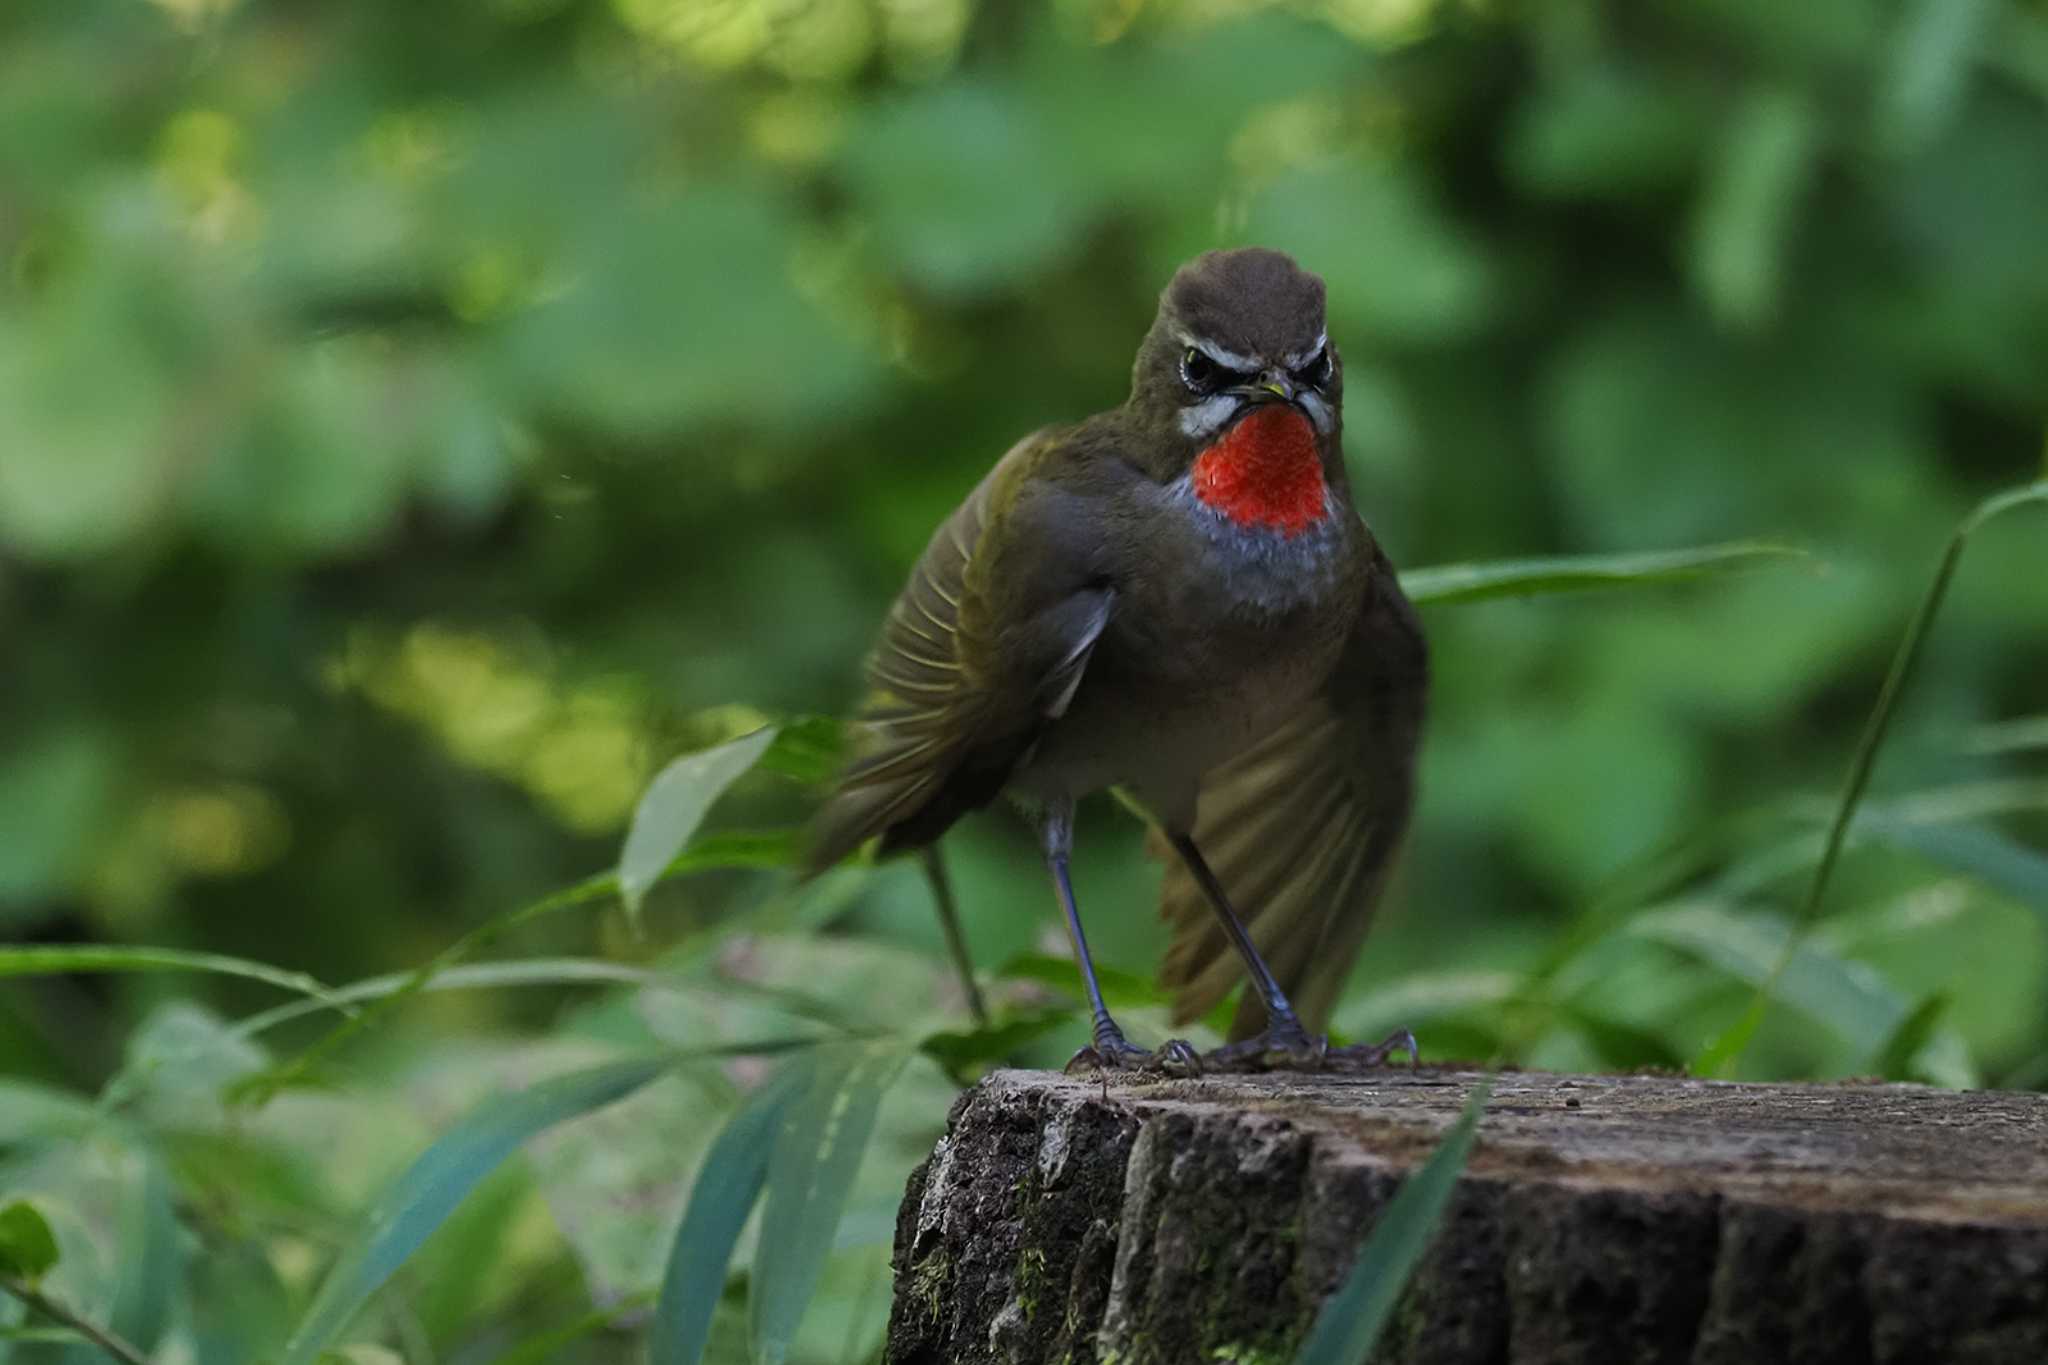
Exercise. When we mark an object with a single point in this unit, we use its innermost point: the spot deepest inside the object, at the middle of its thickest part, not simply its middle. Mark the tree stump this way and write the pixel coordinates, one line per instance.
(1627, 1219)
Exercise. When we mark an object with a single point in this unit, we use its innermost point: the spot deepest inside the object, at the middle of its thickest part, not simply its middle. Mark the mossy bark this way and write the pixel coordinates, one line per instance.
(1639, 1218)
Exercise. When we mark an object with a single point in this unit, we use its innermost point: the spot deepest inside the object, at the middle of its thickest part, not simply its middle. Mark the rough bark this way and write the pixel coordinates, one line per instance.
(1601, 1218)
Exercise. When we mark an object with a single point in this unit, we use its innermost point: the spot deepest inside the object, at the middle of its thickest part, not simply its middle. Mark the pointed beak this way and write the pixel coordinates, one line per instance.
(1273, 384)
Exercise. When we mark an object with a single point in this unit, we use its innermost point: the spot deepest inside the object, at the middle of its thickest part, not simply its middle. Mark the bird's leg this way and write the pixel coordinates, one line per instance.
(1285, 1041)
(1110, 1048)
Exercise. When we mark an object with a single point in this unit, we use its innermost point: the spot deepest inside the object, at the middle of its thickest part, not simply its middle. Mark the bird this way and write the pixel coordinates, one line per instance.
(1176, 598)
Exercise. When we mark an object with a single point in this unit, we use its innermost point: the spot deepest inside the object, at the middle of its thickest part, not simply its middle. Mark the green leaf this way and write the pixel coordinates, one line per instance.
(1587, 573)
(28, 1249)
(723, 1194)
(807, 749)
(675, 804)
(484, 976)
(810, 1171)
(443, 1175)
(1741, 232)
(1895, 1060)
(1848, 997)
(1975, 851)
(1722, 1053)
(2022, 734)
(963, 1052)
(65, 959)
(1120, 989)
(301, 1069)
(1623, 1046)
(1351, 1322)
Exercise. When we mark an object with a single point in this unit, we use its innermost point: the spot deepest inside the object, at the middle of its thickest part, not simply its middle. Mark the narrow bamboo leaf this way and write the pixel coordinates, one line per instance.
(1975, 851)
(1847, 997)
(1621, 1046)
(301, 1069)
(484, 976)
(1936, 42)
(65, 959)
(675, 804)
(817, 1151)
(45, 1336)
(723, 1194)
(1586, 573)
(1120, 989)
(150, 1260)
(1720, 1055)
(28, 1249)
(1896, 1058)
(33, 1113)
(442, 1177)
(963, 1052)
(2022, 734)
(807, 749)
(1351, 1322)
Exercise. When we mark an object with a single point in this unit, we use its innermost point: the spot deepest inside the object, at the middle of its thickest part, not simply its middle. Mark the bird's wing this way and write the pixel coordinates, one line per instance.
(1302, 827)
(974, 658)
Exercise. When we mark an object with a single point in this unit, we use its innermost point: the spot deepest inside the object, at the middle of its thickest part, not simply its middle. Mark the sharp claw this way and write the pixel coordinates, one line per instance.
(1176, 1055)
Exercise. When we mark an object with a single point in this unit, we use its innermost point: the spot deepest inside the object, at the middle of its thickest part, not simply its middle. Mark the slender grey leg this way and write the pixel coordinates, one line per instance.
(1284, 1035)
(1110, 1048)
(949, 922)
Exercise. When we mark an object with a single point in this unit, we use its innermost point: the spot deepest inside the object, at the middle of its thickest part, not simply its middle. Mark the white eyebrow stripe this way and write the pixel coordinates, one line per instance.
(1301, 358)
(1228, 359)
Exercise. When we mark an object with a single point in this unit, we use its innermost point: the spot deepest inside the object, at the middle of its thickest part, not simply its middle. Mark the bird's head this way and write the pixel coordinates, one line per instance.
(1237, 330)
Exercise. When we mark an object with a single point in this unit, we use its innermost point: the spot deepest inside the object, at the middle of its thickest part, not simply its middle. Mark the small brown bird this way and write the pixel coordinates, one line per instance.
(1177, 598)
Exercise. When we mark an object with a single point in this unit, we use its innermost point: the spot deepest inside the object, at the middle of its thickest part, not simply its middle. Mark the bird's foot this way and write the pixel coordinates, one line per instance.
(1285, 1046)
(1115, 1053)
(1364, 1055)
(1289, 1047)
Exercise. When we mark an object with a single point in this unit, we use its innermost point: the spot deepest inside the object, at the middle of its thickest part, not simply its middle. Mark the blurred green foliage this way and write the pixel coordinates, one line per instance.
(419, 422)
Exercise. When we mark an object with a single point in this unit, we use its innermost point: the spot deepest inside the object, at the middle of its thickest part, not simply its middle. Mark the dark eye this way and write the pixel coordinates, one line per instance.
(1316, 373)
(1198, 372)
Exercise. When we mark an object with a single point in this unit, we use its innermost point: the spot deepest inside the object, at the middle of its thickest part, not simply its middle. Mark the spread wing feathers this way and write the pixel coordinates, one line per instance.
(951, 708)
(1302, 827)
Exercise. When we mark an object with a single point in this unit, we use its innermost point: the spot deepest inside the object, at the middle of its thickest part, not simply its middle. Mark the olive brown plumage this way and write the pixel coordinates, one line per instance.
(1175, 597)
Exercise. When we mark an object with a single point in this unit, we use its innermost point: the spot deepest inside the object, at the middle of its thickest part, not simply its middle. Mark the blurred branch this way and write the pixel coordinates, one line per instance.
(104, 1338)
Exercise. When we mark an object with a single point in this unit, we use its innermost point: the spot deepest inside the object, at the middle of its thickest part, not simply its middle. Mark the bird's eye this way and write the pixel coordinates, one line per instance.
(1198, 372)
(1316, 373)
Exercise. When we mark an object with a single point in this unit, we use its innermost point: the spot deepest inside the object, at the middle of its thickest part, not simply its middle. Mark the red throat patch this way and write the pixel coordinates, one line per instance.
(1266, 471)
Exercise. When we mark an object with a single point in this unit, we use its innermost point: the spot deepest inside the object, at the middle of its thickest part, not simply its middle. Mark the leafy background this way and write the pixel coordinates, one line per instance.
(419, 423)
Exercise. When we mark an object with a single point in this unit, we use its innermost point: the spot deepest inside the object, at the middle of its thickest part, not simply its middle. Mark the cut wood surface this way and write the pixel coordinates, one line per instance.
(1601, 1219)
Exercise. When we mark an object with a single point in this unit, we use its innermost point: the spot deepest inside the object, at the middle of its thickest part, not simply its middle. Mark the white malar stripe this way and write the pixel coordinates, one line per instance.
(1204, 419)
(1318, 411)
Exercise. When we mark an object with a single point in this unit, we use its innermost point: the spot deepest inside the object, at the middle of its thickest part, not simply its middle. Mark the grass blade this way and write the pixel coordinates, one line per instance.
(817, 1150)
(296, 1071)
(443, 1176)
(64, 959)
(1351, 1322)
(1588, 573)
(675, 803)
(1720, 1056)
(722, 1196)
